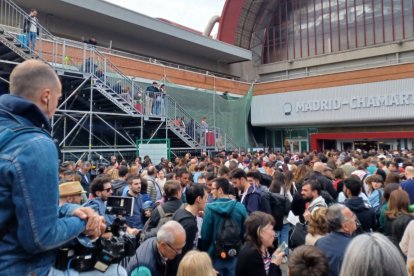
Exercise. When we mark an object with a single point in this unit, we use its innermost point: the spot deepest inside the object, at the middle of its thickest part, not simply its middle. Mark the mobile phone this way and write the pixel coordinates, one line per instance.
(282, 247)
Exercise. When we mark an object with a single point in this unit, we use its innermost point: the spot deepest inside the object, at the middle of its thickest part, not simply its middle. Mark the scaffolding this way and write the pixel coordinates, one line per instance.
(102, 112)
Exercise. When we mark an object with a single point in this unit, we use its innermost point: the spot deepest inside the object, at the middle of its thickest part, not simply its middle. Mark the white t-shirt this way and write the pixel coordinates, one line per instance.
(33, 24)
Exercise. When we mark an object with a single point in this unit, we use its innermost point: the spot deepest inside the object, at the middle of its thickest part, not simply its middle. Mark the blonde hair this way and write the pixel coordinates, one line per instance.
(318, 224)
(196, 263)
(410, 268)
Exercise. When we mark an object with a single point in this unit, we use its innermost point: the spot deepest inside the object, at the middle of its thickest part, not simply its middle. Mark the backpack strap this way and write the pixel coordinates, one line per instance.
(161, 211)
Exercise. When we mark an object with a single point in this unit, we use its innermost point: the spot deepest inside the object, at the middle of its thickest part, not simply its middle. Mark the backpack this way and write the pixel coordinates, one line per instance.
(228, 240)
(276, 205)
(164, 218)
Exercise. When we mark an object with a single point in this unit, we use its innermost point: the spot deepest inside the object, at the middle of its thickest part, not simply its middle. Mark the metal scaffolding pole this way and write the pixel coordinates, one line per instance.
(90, 121)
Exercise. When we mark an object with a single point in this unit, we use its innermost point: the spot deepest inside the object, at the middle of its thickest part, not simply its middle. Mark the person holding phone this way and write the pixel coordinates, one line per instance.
(254, 257)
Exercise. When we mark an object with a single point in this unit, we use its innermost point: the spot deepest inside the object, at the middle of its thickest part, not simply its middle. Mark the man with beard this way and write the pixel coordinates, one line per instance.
(311, 190)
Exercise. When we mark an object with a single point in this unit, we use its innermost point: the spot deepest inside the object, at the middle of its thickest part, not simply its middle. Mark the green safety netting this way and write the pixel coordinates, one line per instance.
(230, 114)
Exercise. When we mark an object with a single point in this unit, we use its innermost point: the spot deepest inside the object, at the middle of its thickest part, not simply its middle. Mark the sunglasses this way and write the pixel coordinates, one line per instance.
(107, 190)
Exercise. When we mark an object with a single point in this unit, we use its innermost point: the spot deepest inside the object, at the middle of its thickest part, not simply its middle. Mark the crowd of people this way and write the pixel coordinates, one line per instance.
(232, 213)
(342, 200)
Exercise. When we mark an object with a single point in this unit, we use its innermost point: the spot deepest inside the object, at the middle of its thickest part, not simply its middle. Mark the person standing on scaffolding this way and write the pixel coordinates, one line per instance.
(203, 131)
(149, 99)
(162, 95)
(31, 29)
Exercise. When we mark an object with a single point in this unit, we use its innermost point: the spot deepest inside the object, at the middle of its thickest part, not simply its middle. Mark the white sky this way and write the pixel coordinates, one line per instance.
(190, 13)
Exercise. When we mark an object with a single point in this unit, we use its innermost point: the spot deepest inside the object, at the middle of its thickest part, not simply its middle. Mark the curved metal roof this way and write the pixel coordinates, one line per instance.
(243, 23)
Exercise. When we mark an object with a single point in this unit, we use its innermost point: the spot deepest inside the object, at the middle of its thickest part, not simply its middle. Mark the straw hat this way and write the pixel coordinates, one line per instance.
(70, 188)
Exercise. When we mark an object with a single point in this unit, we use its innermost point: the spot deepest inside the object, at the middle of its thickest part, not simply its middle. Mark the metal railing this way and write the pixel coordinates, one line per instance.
(205, 137)
(159, 104)
(13, 18)
(78, 57)
(65, 54)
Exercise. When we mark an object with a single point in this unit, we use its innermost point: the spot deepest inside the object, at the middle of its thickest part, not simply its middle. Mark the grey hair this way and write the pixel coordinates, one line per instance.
(335, 216)
(373, 255)
(168, 232)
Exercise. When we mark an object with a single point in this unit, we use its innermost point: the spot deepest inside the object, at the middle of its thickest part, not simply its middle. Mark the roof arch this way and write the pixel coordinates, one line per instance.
(243, 23)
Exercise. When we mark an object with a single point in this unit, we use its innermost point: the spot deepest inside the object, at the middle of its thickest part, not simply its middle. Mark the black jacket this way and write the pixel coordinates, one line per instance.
(26, 25)
(364, 213)
(250, 262)
(189, 223)
(394, 228)
(326, 184)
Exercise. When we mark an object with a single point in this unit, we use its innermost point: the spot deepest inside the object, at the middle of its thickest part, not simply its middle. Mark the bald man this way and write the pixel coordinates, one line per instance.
(30, 228)
(408, 185)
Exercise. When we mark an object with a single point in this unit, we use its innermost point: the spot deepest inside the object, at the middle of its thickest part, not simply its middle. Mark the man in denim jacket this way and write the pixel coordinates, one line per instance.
(30, 228)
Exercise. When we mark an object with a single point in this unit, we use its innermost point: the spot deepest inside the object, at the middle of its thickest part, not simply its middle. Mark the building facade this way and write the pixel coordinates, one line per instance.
(332, 74)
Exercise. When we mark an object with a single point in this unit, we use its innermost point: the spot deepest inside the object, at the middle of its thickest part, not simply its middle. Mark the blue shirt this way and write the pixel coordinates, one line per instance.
(136, 221)
(408, 186)
(334, 245)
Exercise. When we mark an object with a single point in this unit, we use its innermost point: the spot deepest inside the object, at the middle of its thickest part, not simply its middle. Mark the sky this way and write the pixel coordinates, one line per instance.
(190, 13)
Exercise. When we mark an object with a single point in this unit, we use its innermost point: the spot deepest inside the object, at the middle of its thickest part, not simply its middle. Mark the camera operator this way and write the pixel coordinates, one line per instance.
(101, 189)
(70, 193)
(30, 228)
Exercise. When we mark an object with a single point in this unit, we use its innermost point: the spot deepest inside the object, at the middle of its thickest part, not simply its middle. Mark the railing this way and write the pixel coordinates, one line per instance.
(177, 118)
(67, 54)
(109, 74)
(83, 58)
(14, 17)
(165, 63)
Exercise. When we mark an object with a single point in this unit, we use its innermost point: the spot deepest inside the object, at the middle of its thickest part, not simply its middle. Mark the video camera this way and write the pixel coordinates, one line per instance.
(103, 252)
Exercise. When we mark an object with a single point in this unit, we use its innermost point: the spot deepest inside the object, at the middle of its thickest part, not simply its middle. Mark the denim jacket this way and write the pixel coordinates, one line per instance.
(29, 194)
(99, 206)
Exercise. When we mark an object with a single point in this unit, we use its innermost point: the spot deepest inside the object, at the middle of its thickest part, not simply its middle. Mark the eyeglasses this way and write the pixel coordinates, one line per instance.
(353, 218)
(107, 190)
(178, 252)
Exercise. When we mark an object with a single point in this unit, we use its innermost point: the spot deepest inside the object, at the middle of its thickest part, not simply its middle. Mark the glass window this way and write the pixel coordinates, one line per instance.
(303, 28)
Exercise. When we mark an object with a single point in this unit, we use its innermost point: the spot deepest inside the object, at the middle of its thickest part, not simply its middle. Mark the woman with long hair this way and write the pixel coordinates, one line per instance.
(283, 184)
(398, 215)
(254, 257)
(300, 174)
